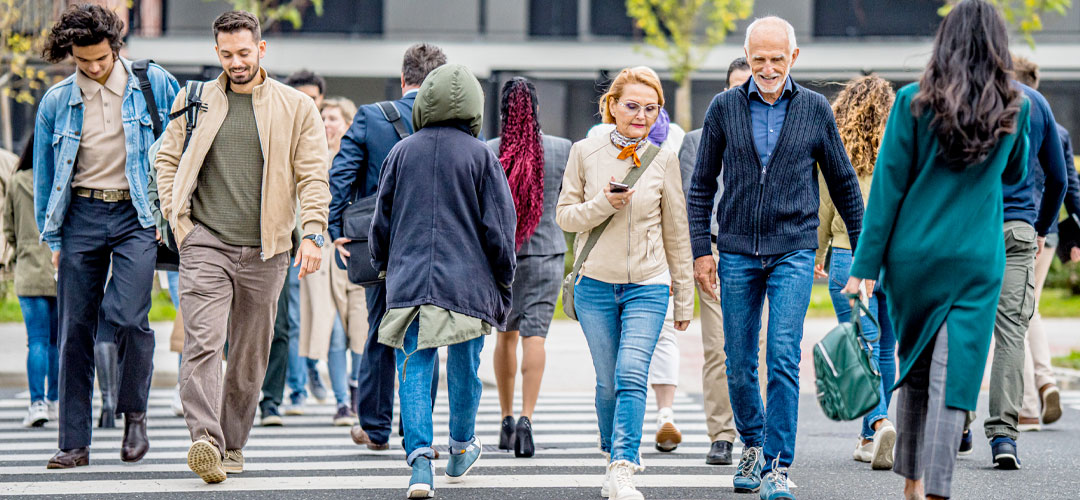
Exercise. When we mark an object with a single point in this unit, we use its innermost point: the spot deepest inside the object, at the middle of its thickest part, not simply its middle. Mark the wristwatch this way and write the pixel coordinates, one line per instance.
(317, 239)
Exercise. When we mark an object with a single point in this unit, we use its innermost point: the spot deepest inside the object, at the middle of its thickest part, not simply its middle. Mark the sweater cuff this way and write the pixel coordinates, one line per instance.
(701, 246)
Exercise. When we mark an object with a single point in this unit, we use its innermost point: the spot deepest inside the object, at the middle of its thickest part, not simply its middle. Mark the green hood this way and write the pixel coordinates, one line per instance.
(450, 92)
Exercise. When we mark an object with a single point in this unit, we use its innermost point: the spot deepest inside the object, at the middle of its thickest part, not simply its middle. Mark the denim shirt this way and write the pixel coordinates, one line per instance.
(768, 119)
(57, 133)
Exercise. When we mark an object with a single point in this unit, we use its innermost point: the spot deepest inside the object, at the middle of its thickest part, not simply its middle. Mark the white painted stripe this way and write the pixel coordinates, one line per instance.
(235, 483)
(596, 462)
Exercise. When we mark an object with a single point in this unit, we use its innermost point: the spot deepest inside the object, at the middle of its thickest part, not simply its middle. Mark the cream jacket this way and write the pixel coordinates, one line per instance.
(645, 239)
(294, 161)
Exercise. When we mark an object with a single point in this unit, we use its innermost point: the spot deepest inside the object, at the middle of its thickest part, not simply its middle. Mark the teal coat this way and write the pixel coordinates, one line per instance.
(933, 236)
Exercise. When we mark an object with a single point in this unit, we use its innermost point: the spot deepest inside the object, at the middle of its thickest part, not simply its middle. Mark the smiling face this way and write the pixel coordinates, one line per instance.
(635, 110)
(95, 61)
(240, 54)
(770, 55)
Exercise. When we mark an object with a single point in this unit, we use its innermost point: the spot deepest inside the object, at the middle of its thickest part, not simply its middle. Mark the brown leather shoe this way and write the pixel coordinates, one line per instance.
(1028, 424)
(1050, 397)
(135, 443)
(68, 459)
(360, 437)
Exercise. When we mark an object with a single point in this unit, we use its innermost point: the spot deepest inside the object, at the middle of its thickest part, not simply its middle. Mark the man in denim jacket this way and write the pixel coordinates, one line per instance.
(90, 185)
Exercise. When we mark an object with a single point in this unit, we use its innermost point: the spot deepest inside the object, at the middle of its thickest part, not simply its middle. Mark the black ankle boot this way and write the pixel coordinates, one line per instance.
(523, 440)
(506, 435)
(107, 374)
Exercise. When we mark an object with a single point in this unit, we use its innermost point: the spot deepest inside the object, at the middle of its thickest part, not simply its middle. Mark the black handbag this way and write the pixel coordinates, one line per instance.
(356, 225)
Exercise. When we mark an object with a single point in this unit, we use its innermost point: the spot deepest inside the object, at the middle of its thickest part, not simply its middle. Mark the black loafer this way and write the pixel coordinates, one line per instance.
(506, 435)
(719, 453)
(523, 440)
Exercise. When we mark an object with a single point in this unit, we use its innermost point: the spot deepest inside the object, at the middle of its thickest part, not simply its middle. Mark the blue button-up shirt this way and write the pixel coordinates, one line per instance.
(767, 119)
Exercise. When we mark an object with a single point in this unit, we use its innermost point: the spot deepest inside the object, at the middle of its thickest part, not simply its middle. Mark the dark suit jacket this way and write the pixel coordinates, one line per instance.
(356, 168)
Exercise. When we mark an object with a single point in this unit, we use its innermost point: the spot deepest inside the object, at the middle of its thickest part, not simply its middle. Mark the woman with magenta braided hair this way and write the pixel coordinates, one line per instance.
(534, 164)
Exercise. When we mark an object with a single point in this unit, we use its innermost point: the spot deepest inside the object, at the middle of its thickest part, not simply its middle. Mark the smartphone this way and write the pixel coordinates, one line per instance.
(618, 187)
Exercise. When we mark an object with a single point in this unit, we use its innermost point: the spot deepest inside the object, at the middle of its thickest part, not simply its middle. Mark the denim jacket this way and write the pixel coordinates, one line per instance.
(56, 142)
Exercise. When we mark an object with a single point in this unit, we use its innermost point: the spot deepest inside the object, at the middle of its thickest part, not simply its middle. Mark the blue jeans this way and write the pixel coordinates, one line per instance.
(839, 272)
(415, 369)
(174, 287)
(337, 363)
(42, 320)
(297, 371)
(745, 280)
(622, 324)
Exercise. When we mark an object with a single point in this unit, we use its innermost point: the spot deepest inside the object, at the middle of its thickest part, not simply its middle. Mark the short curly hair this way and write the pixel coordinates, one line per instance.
(83, 25)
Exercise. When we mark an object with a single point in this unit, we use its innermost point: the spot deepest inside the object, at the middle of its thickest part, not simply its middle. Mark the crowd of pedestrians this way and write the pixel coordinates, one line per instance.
(935, 203)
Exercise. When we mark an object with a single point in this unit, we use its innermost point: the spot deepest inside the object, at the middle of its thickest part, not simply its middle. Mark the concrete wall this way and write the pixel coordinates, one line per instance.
(432, 19)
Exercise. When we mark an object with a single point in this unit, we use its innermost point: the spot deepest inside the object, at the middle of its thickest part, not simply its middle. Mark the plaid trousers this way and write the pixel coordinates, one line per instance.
(928, 432)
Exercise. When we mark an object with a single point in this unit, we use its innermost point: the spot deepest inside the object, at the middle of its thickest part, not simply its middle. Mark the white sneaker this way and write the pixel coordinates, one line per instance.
(621, 481)
(54, 409)
(668, 436)
(863, 452)
(36, 415)
(177, 404)
(881, 450)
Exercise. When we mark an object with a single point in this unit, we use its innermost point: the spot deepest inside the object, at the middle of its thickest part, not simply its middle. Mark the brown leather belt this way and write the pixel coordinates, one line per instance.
(108, 195)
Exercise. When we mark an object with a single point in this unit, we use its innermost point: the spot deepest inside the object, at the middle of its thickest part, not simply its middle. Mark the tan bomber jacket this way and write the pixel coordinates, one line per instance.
(651, 235)
(294, 161)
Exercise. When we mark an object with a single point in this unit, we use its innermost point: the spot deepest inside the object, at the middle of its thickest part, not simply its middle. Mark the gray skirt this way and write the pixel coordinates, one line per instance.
(536, 288)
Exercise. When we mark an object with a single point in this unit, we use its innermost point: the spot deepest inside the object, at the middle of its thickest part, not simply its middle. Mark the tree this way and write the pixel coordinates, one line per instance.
(24, 25)
(271, 12)
(685, 31)
(1023, 15)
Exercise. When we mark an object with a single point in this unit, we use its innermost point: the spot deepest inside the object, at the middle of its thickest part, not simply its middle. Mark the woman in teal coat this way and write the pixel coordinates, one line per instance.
(932, 233)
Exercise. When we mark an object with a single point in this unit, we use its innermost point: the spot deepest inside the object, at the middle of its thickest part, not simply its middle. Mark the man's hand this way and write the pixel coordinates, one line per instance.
(308, 258)
(705, 275)
(339, 244)
(1074, 254)
(682, 325)
(819, 271)
(618, 200)
(1042, 245)
(56, 259)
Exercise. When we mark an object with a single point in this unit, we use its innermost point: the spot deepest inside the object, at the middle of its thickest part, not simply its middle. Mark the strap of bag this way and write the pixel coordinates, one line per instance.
(392, 115)
(629, 180)
(193, 89)
(856, 320)
(141, 70)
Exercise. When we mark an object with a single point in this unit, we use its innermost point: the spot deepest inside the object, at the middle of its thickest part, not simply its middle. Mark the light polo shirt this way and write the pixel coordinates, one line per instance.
(102, 152)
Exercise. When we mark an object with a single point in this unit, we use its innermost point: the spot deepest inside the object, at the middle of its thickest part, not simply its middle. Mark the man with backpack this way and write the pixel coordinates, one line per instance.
(355, 176)
(230, 198)
(92, 133)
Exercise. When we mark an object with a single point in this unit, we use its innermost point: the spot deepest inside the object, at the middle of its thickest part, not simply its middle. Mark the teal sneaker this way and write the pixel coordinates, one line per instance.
(775, 485)
(422, 482)
(748, 475)
(460, 463)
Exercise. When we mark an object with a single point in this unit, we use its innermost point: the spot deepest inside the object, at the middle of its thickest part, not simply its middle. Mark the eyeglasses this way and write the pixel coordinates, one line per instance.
(632, 108)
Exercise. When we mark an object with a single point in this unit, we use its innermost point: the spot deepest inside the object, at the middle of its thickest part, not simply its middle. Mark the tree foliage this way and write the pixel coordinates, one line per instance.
(686, 30)
(24, 25)
(271, 12)
(1023, 15)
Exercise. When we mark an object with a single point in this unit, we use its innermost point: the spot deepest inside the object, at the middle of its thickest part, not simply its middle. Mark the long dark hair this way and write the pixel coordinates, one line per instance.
(521, 152)
(967, 84)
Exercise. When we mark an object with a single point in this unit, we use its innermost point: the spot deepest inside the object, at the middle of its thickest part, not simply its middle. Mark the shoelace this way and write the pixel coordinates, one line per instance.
(749, 460)
(623, 477)
(778, 476)
(233, 454)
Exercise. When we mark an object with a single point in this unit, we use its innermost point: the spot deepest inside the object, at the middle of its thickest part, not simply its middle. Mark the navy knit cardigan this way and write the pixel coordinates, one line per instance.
(770, 209)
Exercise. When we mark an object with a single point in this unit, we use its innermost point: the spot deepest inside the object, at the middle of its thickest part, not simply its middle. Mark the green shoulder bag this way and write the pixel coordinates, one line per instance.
(847, 380)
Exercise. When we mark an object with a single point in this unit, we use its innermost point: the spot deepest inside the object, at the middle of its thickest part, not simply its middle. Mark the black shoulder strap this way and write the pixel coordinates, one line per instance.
(141, 70)
(191, 109)
(392, 115)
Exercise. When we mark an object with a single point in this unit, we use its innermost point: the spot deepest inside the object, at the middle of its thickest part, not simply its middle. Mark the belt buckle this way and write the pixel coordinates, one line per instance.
(112, 195)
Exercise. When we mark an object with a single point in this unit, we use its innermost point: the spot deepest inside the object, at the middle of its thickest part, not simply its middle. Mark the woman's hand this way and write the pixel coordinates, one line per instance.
(855, 286)
(819, 271)
(682, 325)
(618, 200)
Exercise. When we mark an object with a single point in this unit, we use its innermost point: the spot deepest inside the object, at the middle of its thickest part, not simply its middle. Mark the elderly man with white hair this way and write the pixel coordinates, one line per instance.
(767, 138)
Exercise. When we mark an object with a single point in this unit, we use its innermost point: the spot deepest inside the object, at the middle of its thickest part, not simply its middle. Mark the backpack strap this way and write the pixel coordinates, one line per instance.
(392, 115)
(194, 104)
(631, 177)
(141, 69)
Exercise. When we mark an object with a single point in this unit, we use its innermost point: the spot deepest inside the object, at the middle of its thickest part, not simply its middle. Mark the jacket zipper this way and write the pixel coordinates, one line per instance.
(266, 163)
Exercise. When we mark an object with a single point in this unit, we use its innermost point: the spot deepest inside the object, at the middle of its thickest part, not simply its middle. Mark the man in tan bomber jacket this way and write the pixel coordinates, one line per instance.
(230, 197)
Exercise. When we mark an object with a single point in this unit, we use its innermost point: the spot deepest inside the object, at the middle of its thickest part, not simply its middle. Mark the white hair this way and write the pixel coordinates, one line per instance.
(770, 20)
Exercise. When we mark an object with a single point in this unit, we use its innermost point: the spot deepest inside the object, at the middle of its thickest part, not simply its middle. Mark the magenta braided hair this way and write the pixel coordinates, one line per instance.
(521, 153)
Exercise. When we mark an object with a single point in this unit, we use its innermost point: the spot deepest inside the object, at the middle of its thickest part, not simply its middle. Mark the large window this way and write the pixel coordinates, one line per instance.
(609, 18)
(363, 17)
(862, 18)
(553, 18)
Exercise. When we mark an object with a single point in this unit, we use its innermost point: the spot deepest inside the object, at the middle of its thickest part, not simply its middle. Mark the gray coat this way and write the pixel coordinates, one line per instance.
(548, 238)
(687, 158)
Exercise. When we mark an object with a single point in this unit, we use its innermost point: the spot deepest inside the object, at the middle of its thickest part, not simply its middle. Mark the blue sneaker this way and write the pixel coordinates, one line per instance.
(775, 485)
(460, 463)
(748, 475)
(965, 443)
(422, 482)
(1004, 451)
